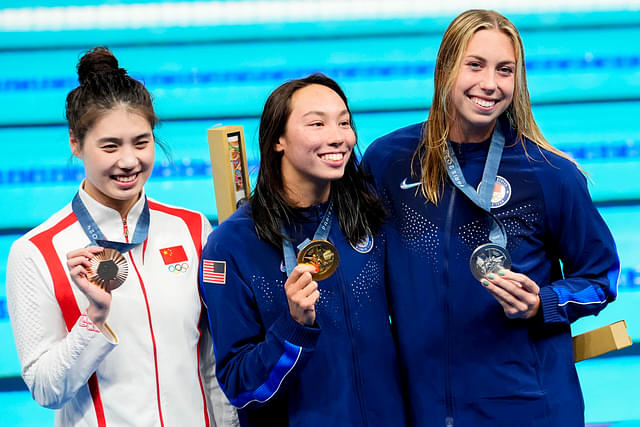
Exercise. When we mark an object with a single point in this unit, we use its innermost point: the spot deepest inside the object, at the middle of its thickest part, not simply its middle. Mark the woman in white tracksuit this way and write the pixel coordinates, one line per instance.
(131, 354)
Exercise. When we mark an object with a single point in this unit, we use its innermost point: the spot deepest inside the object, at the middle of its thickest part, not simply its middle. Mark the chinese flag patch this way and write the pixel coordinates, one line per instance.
(214, 271)
(173, 255)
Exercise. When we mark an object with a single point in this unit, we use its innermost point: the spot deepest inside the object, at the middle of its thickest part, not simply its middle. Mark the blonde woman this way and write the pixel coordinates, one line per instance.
(494, 246)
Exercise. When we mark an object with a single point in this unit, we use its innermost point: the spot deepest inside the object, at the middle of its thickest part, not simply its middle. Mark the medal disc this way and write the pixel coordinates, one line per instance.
(488, 258)
(108, 270)
(323, 255)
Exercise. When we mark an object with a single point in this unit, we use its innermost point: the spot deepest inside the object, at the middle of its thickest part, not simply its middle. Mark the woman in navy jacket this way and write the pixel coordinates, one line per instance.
(477, 188)
(290, 349)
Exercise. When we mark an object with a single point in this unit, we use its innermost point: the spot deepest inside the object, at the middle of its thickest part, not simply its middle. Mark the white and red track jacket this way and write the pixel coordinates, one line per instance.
(155, 369)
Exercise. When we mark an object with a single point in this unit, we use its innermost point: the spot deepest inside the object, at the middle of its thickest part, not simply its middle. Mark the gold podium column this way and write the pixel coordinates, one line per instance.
(229, 168)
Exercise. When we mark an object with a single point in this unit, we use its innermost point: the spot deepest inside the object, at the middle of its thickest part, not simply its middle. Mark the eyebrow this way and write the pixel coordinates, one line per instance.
(323, 113)
(480, 58)
(144, 135)
(114, 139)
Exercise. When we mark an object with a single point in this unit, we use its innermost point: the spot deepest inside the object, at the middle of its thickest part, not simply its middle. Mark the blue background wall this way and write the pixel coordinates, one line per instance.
(583, 72)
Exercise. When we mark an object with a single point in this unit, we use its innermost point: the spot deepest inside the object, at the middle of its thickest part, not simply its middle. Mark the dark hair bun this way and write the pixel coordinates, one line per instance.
(96, 61)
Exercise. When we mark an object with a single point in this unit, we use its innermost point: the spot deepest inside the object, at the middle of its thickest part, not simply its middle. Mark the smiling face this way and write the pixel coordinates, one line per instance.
(118, 153)
(316, 145)
(484, 87)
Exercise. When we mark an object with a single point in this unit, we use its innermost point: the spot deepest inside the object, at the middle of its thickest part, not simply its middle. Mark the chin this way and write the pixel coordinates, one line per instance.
(124, 195)
(336, 175)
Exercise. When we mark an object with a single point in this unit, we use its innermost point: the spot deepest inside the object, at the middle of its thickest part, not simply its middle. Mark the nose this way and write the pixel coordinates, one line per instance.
(339, 136)
(488, 81)
(128, 158)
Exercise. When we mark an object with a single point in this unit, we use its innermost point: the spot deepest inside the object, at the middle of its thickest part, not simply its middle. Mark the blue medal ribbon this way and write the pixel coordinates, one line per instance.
(94, 233)
(322, 232)
(482, 197)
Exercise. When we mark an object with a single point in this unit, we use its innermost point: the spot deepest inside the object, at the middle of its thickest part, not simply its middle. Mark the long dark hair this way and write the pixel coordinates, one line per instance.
(358, 209)
(103, 87)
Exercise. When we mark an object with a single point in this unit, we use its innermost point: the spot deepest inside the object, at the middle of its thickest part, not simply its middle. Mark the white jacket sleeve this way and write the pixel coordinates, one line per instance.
(55, 363)
(221, 412)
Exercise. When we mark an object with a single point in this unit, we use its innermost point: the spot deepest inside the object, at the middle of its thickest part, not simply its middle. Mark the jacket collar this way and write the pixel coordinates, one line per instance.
(109, 220)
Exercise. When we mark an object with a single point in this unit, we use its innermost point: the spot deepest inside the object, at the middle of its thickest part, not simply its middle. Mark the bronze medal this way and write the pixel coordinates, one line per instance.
(321, 254)
(108, 270)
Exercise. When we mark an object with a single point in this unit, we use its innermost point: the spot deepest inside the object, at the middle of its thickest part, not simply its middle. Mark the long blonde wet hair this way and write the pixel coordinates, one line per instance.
(432, 148)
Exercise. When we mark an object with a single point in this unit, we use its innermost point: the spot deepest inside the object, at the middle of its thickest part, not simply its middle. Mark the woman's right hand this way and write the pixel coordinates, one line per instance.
(78, 262)
(302, 294)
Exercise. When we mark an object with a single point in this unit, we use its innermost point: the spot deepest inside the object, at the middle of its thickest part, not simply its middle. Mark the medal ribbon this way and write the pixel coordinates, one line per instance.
(322, 232)
(482, 197)
(94, 233)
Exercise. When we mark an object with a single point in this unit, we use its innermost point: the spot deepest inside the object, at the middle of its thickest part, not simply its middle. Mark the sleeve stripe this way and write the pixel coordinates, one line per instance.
(594, 294)
(266, 391)
(614, 279)
(590, 295)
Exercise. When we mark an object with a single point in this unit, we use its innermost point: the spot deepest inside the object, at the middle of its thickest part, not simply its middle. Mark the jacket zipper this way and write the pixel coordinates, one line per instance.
(355, 361)
(125, 229)
(153, 339)
(447, 314)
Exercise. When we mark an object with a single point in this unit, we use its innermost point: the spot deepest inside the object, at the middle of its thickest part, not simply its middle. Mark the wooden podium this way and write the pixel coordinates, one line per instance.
(229, 168)
(600, 341)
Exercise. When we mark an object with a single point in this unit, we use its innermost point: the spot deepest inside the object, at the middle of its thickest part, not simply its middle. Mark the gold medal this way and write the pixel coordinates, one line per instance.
(321, 254)
(108, 270)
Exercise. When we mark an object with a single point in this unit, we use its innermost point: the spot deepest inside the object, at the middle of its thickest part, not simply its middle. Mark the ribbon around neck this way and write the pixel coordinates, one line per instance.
(96, 236)
(322, 232)
(482, 197)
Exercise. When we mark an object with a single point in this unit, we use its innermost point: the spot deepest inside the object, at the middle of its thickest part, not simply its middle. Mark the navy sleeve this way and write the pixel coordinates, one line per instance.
(375, 158)
(253, 361)
(590, 263)
(366, 163)
(374, 164)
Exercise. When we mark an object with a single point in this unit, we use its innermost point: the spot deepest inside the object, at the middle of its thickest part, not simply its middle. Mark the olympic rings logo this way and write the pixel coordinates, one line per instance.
(179, 268)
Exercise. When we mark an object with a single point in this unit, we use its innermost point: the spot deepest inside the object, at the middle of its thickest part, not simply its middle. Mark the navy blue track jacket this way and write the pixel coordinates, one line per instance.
(342, 372)
(463, 361)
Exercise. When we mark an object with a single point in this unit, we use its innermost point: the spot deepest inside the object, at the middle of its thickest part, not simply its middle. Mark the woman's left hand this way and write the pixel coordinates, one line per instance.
(517, 294)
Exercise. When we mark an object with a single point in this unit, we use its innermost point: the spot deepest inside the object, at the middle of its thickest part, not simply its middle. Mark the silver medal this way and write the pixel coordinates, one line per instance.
(489, 258)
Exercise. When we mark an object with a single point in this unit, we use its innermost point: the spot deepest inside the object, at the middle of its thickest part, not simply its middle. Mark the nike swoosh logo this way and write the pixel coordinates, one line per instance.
(405, 186)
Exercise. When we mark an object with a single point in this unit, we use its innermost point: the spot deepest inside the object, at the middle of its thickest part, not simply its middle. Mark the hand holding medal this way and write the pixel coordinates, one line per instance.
(321, 254)
(99, 269)
(319, 258)
(488, 258)
(79, 263)
(108, 270)
(105, 268)
(302, 294)
(517, 294)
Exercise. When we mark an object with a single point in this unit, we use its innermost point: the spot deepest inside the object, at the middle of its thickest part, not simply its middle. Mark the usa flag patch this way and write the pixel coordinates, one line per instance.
(214, 271)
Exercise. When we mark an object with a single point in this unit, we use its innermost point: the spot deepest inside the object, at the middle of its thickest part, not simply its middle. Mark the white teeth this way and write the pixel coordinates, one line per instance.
(332, 156)
(125, 178)
(483, 103)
